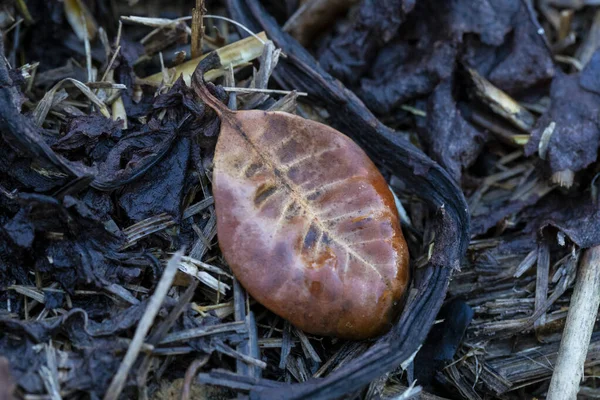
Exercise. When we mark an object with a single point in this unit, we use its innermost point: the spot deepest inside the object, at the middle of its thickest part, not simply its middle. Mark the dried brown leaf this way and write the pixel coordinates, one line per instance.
(307, 222)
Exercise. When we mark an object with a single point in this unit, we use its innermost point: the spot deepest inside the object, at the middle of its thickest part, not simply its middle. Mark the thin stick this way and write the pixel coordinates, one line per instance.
(118, 381)
(239, 304)
(255, 35)
(255, 90)
(119, 33)
(110, 64)
(578, 329)
(88, 49)
(161, 331)
(198, 28)
(541, 284)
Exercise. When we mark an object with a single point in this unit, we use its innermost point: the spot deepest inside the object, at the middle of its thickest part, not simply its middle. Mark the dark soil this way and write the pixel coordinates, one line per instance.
(483, 115)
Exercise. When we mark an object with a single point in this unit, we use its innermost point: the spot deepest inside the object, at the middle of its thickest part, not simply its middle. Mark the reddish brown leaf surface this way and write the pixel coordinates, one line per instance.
(7, 384)
(307, 223)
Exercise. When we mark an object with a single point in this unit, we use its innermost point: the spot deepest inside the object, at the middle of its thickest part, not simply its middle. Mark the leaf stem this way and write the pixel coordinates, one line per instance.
(209, 99)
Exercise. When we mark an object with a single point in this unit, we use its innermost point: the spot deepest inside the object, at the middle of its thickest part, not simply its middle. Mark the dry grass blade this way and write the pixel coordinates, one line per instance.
(44, 106)
(31, 292)
(506, 133)
(309, 350)
(116, 385)
(81, 19)
(237, 327)
(235, 54)
(121, 293)
(146, 227)
(49, 373)
(119, 112)
(205, 266)
(198, 207)
(542, 271)
(202, 245)
(22, 7)
(545, 140)
(526, 264)
(591, 42)
(221, 348)
(222, 310)
(106, 85)
(267, 91)
(162, 329)
(501, 103)
(191, 267)
(154, 22)
(239, 300)
(288, 103)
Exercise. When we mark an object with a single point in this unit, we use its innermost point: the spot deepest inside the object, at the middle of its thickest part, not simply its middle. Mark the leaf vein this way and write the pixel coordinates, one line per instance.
(295, 193)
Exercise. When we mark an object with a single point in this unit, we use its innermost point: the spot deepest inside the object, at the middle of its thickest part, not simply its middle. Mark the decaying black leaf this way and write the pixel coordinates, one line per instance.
(348, 55)
(567, 136)
(442, 342)
(161, 146)
(95, 135)
(88, 244)
(124, 74)
(402, 72)
(500, 40)
(521, 60)
(87, 367)
(452, 140)
(161, 189)
(577, 217)
(22, 345)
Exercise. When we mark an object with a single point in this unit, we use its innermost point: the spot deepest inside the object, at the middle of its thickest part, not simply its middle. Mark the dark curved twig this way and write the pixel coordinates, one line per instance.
(190, 374)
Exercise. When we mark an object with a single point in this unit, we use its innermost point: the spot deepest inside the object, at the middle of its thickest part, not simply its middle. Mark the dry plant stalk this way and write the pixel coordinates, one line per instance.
(306, 222)
(197, 28)
(501, 103)
(234, 54)
(578, 329)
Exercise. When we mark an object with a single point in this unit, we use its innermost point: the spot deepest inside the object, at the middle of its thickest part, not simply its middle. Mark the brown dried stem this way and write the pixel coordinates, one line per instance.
(198, 28)
(578, 329)
(190, 373)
